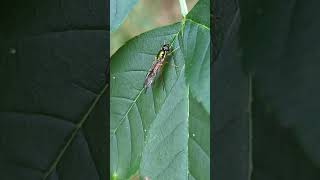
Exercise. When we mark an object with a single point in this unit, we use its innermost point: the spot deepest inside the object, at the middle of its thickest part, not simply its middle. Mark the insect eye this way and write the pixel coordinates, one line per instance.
(165, 48)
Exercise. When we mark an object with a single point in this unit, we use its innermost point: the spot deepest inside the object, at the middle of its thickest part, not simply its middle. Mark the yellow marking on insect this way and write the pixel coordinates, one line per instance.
(161, 54)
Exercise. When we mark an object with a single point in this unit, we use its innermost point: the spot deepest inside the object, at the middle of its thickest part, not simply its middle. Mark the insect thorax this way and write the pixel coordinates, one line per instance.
(161, 54)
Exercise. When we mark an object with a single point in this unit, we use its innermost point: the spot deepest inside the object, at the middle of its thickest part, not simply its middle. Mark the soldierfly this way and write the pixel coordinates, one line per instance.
(157, 65)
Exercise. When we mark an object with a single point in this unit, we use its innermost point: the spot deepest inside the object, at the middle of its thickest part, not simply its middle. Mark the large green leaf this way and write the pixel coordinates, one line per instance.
(149, 132)
(119, 10)
(136, 117)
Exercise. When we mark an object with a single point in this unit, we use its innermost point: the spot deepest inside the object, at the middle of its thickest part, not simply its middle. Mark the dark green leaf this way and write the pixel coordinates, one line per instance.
(231, 101)
(281, 48)
(43, 101)
(51, 70)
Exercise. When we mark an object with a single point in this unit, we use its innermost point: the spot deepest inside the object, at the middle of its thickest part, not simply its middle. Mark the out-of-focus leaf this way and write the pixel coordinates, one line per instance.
(119, 10)
(281, 48)
(231, 100)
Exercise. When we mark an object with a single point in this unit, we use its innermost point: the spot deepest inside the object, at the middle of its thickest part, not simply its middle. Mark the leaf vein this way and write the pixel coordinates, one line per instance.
(199, 24)
(74, 133)
(129, 109)
(168, 165)
(197, 143)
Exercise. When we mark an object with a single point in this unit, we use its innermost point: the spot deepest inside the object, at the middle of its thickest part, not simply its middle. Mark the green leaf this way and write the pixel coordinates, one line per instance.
(119, 10)
(149, 132)
(135, 116)
(196, 52)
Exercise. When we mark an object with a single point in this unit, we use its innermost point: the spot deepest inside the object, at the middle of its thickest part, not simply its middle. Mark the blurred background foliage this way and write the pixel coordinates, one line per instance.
(147, 15)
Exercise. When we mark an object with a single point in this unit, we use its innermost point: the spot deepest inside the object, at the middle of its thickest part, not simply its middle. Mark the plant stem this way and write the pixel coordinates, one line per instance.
(183, 7)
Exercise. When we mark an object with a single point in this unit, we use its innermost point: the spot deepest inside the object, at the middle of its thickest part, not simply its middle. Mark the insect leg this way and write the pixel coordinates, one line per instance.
(173, 64)
(145, 90)
(154, 61)
(169, 54)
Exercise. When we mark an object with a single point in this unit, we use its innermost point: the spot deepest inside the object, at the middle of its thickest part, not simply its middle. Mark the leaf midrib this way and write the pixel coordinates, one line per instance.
(127, 112)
